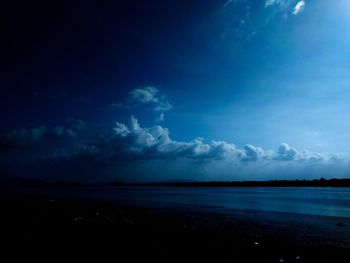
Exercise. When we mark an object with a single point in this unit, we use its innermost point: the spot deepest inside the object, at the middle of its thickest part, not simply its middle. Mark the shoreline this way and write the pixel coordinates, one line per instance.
(332, 182)
(168, 235)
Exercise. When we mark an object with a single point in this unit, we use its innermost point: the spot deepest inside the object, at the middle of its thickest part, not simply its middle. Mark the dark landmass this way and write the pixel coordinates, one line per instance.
(42, 228)
(271, 183)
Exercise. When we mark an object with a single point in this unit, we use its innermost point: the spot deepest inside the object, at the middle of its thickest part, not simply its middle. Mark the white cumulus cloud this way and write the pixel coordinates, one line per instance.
(151, 152)
(299, 7)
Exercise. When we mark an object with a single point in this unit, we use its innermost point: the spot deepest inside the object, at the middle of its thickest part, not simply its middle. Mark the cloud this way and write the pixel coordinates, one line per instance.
(62, 132)
(270, 2)
(144, 95)
(120, 105)
(129, 149)
(228, 3)
(77, 125)
(131, 141)
(279, 3)
(87, 150)
(23, 138)
(27, 138)
(288, 153)
(243, 20)
(148, 95)
(155, 143)
(161, 117)
(287, 5)
(163, 105)
(299, 7)
(253, 153)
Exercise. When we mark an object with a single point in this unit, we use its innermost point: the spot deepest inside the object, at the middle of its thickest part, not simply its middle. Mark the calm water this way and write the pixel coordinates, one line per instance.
(309, 201)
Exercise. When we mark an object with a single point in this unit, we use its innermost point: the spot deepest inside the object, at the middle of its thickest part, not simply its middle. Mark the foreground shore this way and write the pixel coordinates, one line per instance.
(33, 226)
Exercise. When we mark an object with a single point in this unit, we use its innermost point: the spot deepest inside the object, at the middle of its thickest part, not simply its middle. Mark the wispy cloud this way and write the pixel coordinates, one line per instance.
(148, 95)
(270, 2)
(280, 3)
(299, 7)
(293, 6)
(161, 117)
(228, 3)
(245, 19)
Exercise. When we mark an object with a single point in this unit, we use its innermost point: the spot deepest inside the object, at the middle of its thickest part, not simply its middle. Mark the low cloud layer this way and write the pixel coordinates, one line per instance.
(288, 153)
(22, 138)
(26, 138)
(131, 150)
(155, 142)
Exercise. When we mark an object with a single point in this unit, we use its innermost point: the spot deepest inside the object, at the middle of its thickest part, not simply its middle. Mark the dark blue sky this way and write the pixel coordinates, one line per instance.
(241, 86)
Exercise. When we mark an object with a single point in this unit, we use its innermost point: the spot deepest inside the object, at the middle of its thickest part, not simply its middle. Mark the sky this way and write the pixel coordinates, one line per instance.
(95, 91)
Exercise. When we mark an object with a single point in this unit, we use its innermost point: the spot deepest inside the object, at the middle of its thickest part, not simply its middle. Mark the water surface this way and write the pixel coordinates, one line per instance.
(333, 202)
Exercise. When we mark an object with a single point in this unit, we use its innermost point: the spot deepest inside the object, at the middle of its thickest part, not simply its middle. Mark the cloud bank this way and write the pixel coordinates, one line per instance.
(26, 138)
(155, 142)
(132, 151)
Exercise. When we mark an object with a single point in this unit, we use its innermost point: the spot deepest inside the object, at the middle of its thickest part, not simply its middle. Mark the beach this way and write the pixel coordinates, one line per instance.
(33, 226)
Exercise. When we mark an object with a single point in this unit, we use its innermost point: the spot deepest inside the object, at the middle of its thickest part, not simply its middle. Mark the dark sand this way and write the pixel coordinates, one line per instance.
(41, 228)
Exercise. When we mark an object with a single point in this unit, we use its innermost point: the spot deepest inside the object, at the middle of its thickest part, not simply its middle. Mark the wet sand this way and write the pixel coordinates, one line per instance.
(44, 228)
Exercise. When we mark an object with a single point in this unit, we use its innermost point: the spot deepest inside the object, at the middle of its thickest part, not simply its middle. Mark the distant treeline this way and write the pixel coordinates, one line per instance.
(272, 183)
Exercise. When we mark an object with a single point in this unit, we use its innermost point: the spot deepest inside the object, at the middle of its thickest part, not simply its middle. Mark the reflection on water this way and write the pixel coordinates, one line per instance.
(306, 200)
